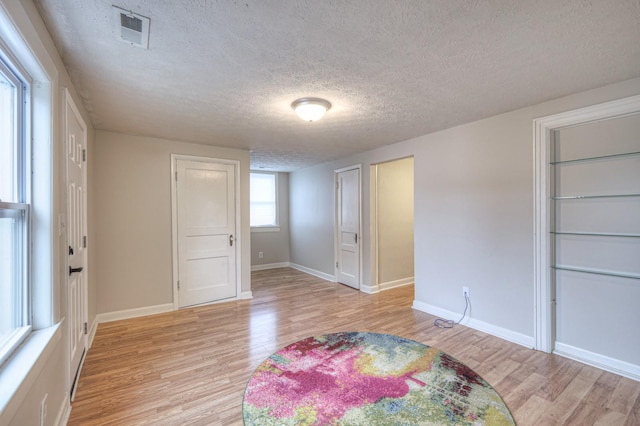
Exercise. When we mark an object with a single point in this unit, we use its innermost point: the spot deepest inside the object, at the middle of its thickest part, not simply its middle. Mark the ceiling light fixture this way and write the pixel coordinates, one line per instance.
(310, 109)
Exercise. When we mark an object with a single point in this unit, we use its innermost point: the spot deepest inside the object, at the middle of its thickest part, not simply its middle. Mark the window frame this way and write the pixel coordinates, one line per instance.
(271, 227)
(21, 206)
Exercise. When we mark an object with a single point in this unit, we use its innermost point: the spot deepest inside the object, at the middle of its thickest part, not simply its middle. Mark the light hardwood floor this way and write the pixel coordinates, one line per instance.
(191, 366)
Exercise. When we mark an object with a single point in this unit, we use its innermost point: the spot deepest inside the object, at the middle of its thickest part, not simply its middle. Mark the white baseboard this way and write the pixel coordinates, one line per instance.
(396, 283)
(494, 330)
(372, 289)
(92, 332)
(602, 362)
(64, 412)
(246, 295)
(133, 313)
(313, 272)
(270, 266)
(369, 289)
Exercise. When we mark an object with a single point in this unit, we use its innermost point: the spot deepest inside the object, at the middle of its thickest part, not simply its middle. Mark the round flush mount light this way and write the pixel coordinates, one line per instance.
(311, 109)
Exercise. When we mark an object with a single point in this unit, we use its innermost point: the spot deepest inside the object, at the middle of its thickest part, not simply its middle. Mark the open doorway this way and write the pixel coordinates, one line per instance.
(392, 258)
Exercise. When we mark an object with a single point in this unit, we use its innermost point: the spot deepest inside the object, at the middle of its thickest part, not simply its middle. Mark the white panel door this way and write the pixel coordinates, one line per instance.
(205, 196)
(76, 138)
(348, 227)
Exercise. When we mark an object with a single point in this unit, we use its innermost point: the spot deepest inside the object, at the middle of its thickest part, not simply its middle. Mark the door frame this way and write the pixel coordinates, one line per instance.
(70, 104)
(336, 244)
(374, 285)
(174, 222)
(544, 305)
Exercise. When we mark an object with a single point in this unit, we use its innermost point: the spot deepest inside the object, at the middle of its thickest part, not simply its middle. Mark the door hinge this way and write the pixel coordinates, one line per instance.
(176, 175)
(178, 284)
(337, 185)
(84, 241)
(84, 154)
(85, 328)
(336, 264)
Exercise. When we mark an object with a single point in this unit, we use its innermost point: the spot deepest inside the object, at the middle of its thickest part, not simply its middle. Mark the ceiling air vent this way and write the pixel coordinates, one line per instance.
(131, 28)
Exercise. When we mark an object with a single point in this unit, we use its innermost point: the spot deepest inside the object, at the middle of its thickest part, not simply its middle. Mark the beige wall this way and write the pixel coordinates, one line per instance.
(395, 221)
(133, 254)
(274, 245)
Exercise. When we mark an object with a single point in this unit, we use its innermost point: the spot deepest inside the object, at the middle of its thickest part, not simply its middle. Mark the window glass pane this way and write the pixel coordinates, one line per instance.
(14, 308)
(12, 289)
(8, 157)
(263, 199)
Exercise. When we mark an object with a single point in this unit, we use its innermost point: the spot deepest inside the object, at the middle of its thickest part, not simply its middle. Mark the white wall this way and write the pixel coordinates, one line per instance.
(49, 374)
(49, 382)
(473, 214)
(395, 222)
(274, 245)
(133, 218)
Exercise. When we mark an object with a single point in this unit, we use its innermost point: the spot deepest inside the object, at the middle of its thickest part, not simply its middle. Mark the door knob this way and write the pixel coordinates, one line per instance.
(231, 240)
(72, 270)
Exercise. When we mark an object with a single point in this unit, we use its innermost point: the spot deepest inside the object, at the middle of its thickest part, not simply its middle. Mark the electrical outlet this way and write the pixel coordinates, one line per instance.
(465, 292)
(260, 255)
(43, 410)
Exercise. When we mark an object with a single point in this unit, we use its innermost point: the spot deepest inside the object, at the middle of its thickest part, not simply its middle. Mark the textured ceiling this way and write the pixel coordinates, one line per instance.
(225, 72)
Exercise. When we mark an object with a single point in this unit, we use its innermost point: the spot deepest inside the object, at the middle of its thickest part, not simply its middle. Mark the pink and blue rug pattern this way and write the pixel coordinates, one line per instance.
(368, 379)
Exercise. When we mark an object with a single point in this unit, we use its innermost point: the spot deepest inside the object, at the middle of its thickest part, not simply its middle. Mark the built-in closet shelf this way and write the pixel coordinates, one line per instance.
(580, 197)
(602, 157)
(596, 234)
(596, 272)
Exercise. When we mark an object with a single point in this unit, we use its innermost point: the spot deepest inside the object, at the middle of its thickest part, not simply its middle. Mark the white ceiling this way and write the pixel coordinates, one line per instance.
(224, 72)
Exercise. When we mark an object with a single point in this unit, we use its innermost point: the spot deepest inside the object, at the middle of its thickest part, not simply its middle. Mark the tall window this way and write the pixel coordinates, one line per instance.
(264, 200)
(15, 317)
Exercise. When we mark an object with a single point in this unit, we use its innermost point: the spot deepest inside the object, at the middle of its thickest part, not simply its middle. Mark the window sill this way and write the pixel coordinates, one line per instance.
(19, 372)
(265, 229)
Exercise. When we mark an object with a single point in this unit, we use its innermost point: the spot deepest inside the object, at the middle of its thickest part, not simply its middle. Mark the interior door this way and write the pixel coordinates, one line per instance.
(76, 137)
(348, 227)
(205, 196)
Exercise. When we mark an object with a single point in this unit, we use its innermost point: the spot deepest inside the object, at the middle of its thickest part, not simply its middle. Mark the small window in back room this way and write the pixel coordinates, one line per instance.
(264, 199)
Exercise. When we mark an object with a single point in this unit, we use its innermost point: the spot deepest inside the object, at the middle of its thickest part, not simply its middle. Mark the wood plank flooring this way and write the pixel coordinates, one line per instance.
(190, 367)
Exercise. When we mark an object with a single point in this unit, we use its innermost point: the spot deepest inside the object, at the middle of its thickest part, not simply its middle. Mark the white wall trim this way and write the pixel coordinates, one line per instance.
(494, 330)
(373, 289)
(369, 289)
(270, 266)
(134, 313)
(245, 295)
(606, 363)
(373, 228)
(313, 272)
(542, 132)
(373, 231)
(92, 332)
(396, 283)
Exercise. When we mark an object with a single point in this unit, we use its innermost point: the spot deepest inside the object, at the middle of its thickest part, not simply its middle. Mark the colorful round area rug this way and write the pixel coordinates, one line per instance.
(368, 379)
